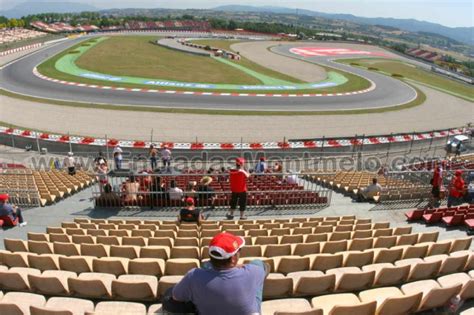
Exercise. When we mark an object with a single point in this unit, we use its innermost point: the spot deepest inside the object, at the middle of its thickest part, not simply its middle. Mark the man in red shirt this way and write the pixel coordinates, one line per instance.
(456, 190)
(436, 184)
(238, 186)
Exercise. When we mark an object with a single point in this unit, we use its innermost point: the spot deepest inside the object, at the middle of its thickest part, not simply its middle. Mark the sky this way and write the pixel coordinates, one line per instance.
(451, 13)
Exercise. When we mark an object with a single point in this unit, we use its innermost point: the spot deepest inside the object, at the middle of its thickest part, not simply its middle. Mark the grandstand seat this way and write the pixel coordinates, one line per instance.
(414, 215)
(343, 303)
(433, 294)
(276, 285)
(387, 274)
(456, 219)
(107, 308)
(288, 306)
(51, 282)
(391, 300)
(92, 285)
(420, 269)
(434, 217)
(350, 279)
(312, 283)
(135, 287)
(63, 306)
(19, 303)
(16, 278)
(77, 264)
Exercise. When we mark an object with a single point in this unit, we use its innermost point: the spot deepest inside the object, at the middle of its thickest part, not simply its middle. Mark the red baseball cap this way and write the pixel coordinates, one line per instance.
(225, 245)
(190, 200)
(4, 197)
(458, 173)
(240, 161)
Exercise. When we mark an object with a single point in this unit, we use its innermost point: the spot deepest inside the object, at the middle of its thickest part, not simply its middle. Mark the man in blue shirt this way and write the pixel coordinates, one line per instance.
(9, 210)
(221, 286)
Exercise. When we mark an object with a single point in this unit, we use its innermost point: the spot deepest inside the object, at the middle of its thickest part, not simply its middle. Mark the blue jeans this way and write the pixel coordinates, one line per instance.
(153, 162)
(118, 164)
(454, 201)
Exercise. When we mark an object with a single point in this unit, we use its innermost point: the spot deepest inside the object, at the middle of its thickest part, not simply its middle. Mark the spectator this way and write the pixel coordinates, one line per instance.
(157, 191)
(383, 171)
(261, 166)
(370, 191)
(102, 171)
(100, 159)
(12, 211)
(153, 153)
(117, 153)
(235, 289)
(292, 178)
(191, 190)
(70, 164)
(108, 198)
(190, 213)
(57, 164)
(166, 157)
(436, 186)
(456, 190)
(222, 175)
(175, 193)
(277, 168)
(206, 194)
(238, 186)
(131, 189)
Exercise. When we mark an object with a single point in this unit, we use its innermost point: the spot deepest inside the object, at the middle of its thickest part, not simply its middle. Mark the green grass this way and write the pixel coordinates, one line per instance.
(47, 68)
(225, 44)
(136, 56)
(416, 74)
(420, 99)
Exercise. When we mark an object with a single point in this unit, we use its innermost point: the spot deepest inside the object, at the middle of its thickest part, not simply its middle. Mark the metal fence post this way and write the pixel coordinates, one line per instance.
(69, 138)
(37, 143)
(107, 149)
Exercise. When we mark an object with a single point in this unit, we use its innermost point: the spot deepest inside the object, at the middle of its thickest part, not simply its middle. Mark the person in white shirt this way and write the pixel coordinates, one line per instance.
(166, 157)
(370, 191)
(175, 193)
(261, 166)
(292, 179)
(70, 164)
(117, 153)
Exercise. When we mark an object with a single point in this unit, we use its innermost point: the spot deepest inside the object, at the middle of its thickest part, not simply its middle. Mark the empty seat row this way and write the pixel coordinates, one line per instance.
(350, 279)
(272, 246)
(36, 304)
(252, 236)
(282, 264)
(133, 287)
(408, 299)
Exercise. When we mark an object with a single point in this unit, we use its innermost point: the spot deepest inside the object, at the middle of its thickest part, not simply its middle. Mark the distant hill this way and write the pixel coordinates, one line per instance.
(36, 7)
(461, 34)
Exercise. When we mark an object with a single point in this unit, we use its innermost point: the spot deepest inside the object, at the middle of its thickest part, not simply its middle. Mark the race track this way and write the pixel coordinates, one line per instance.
(18, 77)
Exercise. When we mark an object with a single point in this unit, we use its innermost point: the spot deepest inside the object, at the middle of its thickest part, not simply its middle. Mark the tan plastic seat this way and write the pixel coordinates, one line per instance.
(280, 231)
(120, 233)
(402, 230)
(40, 247)
(93, 232)
(161, 252)
(277, 250)
(420, 269)
(180, 266)
(77, 264)
(251, 251)
(357, 259)
(66, 249)
(14, 245)
(186, 241)
(39, 237)
(188, 233)
(108, 240)
(385, 241)
(96, 250)
(113, 265)
(325, 262)
(266, 240)
(461, 244)
(449, 264)
(19, 303)
(129, 252)
(135, 287)
(414, 251)
(292, 239)
(51, 282)
(185, 252)
(306, 249)
(433, 294)
(311, 283)
(387, 274)
(44, 262)
(147, 266)
(382, 232)
(165, 233)
(343, 304)
(362, 234)
(83, 239)
(470, 261)
(344, 228)
(467, 291)
(428, 237)
(55, 230)
(303, 230)
(391, 300)
(155, 309)
(352, 279)
(167, 282)
(119, 308)
(439, 248)
(63, 306)
(386, 255)
(62, 238)
(334, 247)
(288, 307)
(361, 244)
(277, 285)
(313, 238)
(327, 228)
(161, 241)
(18, 259)
(209, 232)
(92, 285)
(407, 239)
(16, 278)
(287, 264)
(143, 233)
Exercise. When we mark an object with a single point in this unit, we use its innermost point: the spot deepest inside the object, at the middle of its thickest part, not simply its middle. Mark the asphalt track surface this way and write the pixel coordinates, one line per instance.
(18, 77)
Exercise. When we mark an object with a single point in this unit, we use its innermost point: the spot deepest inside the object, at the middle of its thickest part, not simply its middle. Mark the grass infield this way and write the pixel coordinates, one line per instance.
(47, 68)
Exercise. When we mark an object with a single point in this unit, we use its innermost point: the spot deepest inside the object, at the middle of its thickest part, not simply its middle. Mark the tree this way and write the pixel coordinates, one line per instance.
(232, 25)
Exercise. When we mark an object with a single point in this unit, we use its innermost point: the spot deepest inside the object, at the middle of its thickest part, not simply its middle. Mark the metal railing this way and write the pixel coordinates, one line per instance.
(265, 191)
